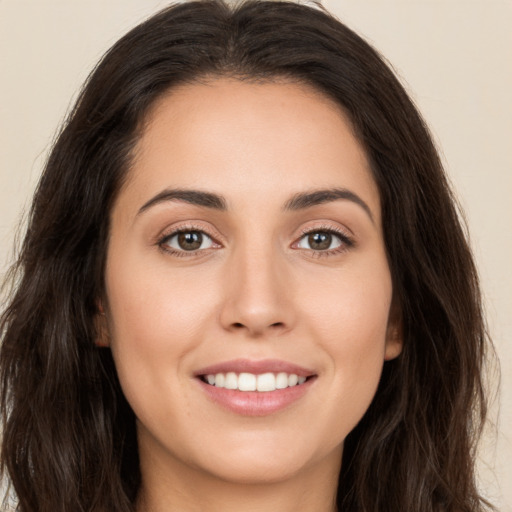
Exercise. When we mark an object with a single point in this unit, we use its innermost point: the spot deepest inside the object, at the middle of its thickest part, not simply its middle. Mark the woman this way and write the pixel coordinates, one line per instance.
(244, 284)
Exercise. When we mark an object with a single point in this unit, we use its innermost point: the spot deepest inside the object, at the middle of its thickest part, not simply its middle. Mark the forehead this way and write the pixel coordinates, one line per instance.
(232, 137)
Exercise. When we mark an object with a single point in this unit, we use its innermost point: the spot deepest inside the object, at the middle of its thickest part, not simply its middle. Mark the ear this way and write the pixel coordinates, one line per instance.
(102, 335)
(394, 332)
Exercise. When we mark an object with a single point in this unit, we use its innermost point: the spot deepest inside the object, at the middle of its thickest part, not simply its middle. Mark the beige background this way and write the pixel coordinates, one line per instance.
(455, 57)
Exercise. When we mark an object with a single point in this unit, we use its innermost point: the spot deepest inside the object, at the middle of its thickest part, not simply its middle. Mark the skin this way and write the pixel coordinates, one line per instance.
(257, 291)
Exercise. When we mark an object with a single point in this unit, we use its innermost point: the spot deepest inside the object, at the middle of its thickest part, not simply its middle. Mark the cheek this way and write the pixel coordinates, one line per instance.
(348, 319)
(154, 319)
(151, 304)
(349, 307)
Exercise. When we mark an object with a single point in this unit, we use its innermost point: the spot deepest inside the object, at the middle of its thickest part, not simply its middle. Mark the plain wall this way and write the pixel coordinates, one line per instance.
(454, 57)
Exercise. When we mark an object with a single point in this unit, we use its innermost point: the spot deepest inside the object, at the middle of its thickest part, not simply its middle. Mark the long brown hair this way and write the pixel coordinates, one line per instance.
(68, 434)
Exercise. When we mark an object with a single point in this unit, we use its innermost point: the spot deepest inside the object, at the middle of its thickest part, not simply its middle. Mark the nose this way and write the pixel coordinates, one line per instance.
(258, 294)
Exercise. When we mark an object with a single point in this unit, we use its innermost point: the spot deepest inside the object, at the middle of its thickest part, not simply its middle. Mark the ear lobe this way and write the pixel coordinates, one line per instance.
(102, 336)
(394, 343)
(394, 333)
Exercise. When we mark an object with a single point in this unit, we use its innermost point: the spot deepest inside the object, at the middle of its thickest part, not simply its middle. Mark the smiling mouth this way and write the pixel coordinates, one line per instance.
(245, 381)
(256, 388)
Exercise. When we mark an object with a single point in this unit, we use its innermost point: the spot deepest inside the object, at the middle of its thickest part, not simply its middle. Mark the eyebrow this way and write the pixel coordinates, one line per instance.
(196, 197)
(317, 197)
(297, 202)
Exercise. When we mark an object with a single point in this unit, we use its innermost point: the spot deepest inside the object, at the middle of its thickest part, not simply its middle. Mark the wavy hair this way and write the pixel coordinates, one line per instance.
(69, 440)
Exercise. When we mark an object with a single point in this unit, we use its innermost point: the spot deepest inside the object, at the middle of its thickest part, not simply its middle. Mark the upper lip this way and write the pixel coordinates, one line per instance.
(255, 367)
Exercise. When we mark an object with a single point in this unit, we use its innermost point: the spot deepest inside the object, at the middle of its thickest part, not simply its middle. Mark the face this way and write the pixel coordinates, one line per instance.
(248, 293)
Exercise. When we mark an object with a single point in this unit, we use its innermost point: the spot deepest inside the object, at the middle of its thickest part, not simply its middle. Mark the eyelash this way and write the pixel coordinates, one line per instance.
(347, 242)
(164, 239)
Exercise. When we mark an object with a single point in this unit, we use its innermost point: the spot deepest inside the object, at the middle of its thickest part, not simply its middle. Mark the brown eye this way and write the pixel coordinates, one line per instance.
(189, 241)
(320, 241)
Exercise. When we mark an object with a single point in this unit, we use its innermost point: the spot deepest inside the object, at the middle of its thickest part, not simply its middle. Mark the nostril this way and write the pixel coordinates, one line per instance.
(240, 325)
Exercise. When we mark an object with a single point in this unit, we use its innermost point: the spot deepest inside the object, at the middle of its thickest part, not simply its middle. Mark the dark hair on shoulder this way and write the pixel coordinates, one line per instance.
(68, 434)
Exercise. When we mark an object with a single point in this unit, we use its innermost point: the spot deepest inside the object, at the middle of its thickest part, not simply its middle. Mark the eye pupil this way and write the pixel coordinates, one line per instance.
(320, 240)
(190, 240)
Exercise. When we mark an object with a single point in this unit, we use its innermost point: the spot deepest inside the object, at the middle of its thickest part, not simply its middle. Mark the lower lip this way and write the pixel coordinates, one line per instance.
(256, 403)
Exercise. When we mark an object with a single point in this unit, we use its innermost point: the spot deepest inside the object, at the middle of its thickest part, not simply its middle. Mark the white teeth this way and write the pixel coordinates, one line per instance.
(231, 382)
(266, 382)
(282, 380)
(219, 380)
(251, 382)
(292, 379)
(247, 382)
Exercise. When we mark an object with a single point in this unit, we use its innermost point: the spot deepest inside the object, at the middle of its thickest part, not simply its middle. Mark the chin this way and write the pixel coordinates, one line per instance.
(258, 470)
(270, 462)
